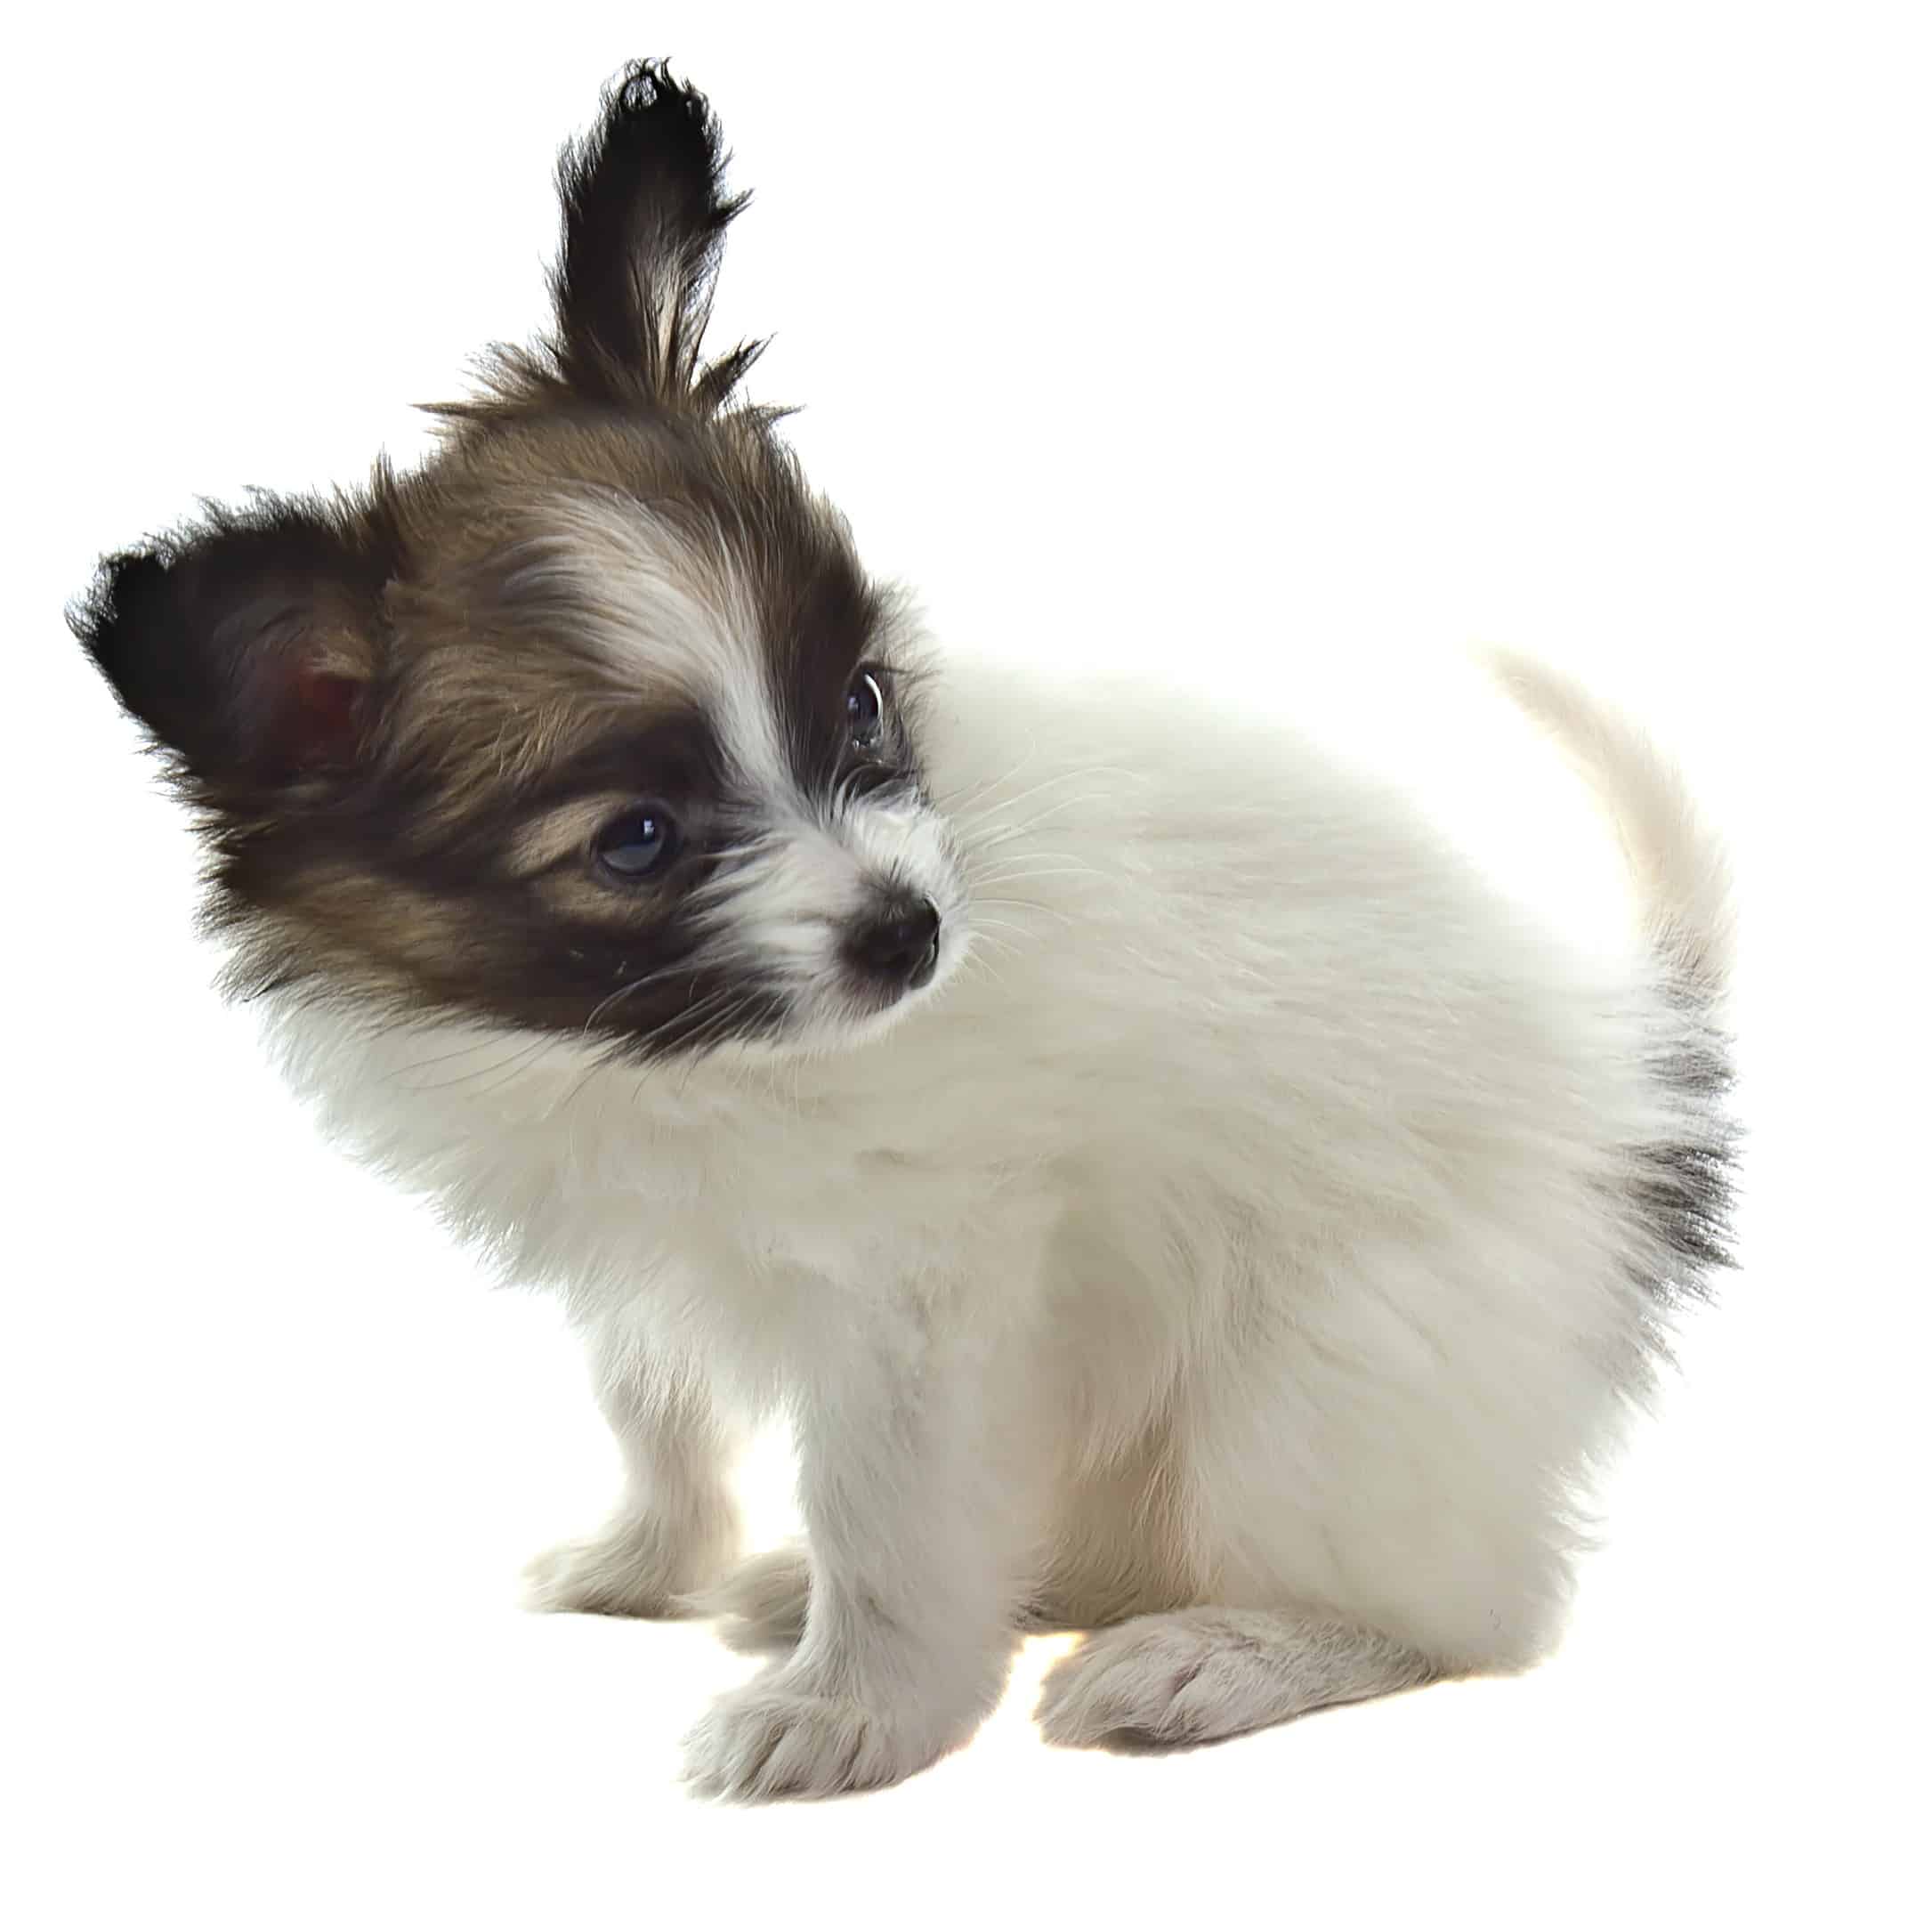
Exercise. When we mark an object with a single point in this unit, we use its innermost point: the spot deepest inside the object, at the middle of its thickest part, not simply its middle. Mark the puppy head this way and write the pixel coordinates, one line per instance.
(596, 725)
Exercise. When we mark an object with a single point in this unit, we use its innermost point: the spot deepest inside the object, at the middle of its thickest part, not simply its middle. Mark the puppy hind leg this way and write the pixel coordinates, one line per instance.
(1207, 1672)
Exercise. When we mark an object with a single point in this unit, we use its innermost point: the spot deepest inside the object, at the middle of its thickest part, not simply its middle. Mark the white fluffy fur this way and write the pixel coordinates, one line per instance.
(1232, 1244)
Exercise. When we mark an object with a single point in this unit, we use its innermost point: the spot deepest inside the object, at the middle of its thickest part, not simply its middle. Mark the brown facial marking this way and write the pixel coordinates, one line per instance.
(403, 715)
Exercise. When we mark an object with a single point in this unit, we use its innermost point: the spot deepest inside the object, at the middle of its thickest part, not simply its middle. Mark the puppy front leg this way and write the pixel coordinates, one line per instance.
(915, 1483)
(675, 1529)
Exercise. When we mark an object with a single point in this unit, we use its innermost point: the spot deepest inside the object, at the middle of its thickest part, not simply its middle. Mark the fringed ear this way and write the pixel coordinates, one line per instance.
(248, 645)
(644, 214)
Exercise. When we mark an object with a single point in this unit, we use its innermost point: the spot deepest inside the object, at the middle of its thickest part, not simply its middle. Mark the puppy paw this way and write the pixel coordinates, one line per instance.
(1156, 1681)
(767, 1740)
(1206, 1672)
(626, 1569)
(761, 1603)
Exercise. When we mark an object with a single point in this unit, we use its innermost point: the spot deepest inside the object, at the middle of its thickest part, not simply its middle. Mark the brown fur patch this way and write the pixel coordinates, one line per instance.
(401, 716)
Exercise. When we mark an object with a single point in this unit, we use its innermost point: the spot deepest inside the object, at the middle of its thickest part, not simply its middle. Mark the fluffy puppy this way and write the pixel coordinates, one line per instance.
(1168, 1193)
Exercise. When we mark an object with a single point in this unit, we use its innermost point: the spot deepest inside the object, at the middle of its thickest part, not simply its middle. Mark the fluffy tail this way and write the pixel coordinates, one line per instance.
(1676, 860)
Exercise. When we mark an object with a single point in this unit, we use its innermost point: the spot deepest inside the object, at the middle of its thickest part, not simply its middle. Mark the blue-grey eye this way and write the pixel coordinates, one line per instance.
(865, 709)
(639, 843)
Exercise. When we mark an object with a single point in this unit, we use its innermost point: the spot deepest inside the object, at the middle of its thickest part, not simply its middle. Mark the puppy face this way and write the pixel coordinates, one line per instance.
(596, 725)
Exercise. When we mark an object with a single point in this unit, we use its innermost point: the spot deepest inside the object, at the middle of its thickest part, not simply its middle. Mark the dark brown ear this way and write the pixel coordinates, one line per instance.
(248, 645)
(644, 214)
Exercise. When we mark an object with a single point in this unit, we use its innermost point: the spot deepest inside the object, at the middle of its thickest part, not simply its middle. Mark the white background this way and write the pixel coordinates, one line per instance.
(1288, 348)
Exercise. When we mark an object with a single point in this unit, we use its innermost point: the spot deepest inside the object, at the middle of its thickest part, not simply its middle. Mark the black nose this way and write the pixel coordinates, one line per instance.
(902, 944)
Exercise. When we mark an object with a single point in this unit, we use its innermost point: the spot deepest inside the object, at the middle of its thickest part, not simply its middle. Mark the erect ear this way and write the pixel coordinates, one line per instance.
(644, 214)
(248, 645)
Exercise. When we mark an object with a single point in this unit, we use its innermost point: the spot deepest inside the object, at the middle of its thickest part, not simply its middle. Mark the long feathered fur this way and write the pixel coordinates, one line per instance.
(1168, 1192)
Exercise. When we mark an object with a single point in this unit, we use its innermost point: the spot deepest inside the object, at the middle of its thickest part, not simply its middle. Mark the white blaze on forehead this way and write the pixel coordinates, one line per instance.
(668, 616)
(672, 616)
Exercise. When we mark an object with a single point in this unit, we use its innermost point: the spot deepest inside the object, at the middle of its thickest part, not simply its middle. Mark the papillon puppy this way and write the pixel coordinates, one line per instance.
(1171, 1194)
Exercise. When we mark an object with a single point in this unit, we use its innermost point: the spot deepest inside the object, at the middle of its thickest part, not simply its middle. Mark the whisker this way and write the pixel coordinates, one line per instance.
(1030, 863)
(1016, 830)
(1031, 906)
(1046, 786)
(439, 1060)
(611, 1000)
(521, 1056)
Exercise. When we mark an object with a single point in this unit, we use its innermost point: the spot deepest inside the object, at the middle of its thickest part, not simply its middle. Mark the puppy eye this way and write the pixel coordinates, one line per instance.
(865, 709)
(639, 843)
